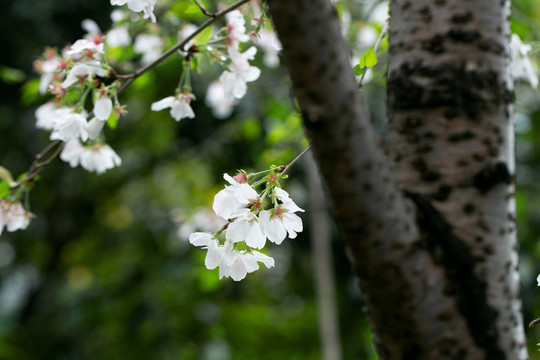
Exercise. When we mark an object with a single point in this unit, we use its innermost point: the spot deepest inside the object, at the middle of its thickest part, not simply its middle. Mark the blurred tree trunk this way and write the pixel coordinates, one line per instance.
(430, 224)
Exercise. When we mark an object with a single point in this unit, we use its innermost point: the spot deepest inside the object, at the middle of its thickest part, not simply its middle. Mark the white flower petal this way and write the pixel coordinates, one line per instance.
(201, 239)
(94, 128)
(103, 108)
(163, 103)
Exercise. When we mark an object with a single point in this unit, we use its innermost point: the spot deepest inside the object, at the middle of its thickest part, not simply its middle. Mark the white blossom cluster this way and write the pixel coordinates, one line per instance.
(13, 216)
(144, 6)
(79, 67)
(249, 226)
(223, 94)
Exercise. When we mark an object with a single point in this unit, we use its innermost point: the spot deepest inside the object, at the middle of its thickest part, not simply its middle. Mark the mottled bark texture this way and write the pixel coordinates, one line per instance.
(430, 226)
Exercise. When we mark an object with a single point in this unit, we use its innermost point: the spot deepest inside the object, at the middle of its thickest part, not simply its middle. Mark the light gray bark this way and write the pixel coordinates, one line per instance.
(323, 269)
(432, 240)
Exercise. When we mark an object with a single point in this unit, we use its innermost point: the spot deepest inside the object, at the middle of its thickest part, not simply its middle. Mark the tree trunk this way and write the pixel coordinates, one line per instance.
(430, 226)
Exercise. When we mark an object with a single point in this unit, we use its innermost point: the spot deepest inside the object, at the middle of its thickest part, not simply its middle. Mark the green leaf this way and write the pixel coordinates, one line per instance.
(359, 70)
(369, 59)
(112, 121)
(6, 176)
(30, 92)
(203, 36)
(4, 189)
(10, 75)
(195, 64)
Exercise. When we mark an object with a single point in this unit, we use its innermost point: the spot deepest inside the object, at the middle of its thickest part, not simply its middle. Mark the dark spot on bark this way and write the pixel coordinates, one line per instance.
(367, 165)
(462, 163)
(426, 174)
(453, 87)
(491, 175)
(412, 138)
(489, 250)
(462, 18)
(434, 45)
(440, 2)
(468, 208)
(442, 193)
(478, 239)
(482, 224)
(429, 135)
(478, 157)
(413, 122)
(419, 164)
(405, 5)
(366, 187)
(465, 135)
(430, 176)
(321, 69)
(423, 149)
(450, 114)
(425, 14)
(463, 36)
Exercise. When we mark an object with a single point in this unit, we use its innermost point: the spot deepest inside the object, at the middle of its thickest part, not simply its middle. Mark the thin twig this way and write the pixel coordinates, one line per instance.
(38, 165)
(203, 10)
(375, 49)
(295, 160)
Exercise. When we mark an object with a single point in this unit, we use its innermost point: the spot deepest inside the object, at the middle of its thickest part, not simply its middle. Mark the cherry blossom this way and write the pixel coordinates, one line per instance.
(237, 29)
(94, 127)
(231, 263)
(118, 37)
(279, 221)
(246, 227)
(146, 6)
(103, 107)
(271, 46)
(91, 27)
(522, 67)
(83, 72)
(240, 72)
(234, 200)
(149, 46)
(68, 124)
(45, 116)
(221, 105)
(72, 151)
(88, 47)
(99, 158)
(13, 216)
(48, 69)
(179, 105)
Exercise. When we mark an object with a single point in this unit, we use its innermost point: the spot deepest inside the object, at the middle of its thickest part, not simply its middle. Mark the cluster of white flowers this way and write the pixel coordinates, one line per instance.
(78, 69)
(71, 127)
(144, 6)
(522, 67)
(13, 216)
(223, 94)
(249, 225)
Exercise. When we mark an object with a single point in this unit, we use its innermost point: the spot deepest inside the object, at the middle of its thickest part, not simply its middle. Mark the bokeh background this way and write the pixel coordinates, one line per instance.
(105, 271)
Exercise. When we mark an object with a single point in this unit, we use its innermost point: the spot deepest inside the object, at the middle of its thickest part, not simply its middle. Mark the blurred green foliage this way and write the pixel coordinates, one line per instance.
(102, 272)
